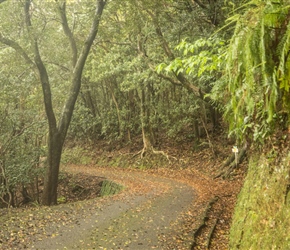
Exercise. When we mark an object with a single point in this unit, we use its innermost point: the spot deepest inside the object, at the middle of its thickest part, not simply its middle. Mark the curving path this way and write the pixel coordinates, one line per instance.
(141, 217)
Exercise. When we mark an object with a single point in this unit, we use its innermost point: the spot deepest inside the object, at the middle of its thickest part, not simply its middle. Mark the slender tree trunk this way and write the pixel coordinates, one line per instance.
(87, 97)
(117, 110)
(55, 145)
(147, 133)
(57, 129)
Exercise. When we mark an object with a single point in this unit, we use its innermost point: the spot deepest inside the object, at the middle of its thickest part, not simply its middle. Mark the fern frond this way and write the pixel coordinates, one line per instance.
(253, 58)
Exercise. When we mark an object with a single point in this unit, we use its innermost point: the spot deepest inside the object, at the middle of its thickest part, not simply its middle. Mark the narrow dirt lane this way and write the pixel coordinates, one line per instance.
(138, 218)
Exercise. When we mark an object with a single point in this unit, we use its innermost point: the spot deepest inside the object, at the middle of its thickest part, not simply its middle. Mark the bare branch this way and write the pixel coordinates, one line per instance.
(68, 32)
(14, 45)
(78, 69)
(44, 79)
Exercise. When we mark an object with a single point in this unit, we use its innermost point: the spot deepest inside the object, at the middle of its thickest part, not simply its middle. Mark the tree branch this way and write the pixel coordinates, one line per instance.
(68, 32)
(44, 79)
(183, 80)
(37, 64)
(159, 33)
(14, 45)
(78, 69)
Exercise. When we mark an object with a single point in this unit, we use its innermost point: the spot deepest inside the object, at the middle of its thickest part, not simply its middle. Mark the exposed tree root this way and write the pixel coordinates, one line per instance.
(148, 148)
(208, 138)
(144, 150)
(202, 221)
(210, 234)
(228, 161)
(231, 163)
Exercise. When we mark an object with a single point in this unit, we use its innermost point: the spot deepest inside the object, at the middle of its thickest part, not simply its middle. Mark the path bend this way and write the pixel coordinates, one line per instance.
(140, 217)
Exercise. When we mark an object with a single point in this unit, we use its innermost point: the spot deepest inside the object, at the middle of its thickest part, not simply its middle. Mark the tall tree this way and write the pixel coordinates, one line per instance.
(57, 127)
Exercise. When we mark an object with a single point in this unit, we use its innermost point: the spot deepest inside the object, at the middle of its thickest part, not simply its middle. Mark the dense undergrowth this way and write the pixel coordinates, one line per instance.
(175, 154)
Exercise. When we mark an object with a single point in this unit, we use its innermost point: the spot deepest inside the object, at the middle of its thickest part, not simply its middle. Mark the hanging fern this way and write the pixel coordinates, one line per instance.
(255, 87)
(257, 71)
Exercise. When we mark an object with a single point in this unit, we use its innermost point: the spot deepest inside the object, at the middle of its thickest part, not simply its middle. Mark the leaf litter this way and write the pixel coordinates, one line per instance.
(28, 227)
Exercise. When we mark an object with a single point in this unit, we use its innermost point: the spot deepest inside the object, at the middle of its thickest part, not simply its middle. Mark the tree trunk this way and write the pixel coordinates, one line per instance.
(57, 129)
(55, 145)
(147, 132)
(57, 132)
(120, 134)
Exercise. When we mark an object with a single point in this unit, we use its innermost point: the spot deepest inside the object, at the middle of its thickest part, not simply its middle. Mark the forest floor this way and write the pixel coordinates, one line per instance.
(177, 206)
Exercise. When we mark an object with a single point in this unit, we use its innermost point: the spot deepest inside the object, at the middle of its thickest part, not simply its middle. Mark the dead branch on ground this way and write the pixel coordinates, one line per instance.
(202, 221)
(232, 162)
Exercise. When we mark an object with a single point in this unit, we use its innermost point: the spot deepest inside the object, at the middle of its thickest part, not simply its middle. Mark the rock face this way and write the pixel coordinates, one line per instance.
(262, 214)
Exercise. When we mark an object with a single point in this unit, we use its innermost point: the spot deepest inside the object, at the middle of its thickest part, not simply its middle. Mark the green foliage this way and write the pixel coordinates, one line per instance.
(76, 155)
(204, 56)
(181, 116)
(256, 76)
(110, 188)
(22, 127)
(83, 124)
(19, 158)
(122, 67)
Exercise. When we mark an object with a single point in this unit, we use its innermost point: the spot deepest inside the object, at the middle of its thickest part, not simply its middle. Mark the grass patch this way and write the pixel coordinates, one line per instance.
(76, 155)
(110, 188)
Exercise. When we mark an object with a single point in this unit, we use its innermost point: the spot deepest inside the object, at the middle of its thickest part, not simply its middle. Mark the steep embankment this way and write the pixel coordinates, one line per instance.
(262, 215)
